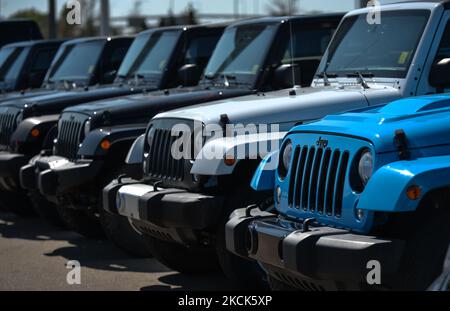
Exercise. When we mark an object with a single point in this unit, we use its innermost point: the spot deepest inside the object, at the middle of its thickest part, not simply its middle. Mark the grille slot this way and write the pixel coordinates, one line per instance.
(317, 180)
(7, 127)
(161, 164)
(69, 138)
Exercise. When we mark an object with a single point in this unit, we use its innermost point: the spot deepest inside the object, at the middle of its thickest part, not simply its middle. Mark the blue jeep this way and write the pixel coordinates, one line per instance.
(361, 201)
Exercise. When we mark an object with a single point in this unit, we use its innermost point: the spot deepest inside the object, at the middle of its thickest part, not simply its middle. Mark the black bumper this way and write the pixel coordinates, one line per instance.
(168, 208)
(53, 175)
(10, 164)
(319, 253)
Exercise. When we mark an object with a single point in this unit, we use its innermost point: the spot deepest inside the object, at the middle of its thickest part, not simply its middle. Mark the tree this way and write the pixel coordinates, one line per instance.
(284, 7)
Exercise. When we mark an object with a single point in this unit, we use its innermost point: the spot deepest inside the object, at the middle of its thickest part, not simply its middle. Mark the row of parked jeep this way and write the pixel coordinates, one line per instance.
(301, 152)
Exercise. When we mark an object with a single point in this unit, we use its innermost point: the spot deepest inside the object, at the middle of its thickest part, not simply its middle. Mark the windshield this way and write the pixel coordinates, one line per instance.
(385, 49)
(11, 62)
(78, 62)
(241, 51)
(149, 54)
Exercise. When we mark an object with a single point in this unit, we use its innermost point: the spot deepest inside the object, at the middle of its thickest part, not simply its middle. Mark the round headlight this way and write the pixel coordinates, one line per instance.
(286, 156)
(365, 166)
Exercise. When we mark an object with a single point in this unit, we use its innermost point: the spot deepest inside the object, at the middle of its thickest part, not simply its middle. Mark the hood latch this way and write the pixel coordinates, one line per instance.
(401, 143)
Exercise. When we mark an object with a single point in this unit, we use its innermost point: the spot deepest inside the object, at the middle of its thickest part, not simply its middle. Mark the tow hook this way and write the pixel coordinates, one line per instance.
(156, 184)
(248, 210)
(307, 223)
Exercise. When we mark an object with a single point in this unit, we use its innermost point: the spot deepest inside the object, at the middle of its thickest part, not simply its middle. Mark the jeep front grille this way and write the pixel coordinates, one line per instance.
(7, 126)
(69, 136)
(160, 163)
(317, 180)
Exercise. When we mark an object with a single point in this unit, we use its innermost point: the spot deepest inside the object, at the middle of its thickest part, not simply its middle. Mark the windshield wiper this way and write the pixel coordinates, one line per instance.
(361, 76)
(325, 76)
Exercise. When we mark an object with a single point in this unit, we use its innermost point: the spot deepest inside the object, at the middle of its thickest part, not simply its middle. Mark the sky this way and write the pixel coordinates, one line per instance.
(124, 7)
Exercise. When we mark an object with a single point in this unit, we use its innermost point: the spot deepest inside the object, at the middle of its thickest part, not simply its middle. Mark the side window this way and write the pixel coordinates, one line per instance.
(444, 46)
(305, 48)
(115, 58)
(42, 60)
(200, 50)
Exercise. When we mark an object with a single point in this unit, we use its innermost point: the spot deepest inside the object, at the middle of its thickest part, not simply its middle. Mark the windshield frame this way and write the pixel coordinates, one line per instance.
(381, 73)
(20, 55)
(239, 79)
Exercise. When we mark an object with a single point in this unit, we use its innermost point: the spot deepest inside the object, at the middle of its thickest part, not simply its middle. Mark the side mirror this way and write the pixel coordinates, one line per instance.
(189, 74)
(287, 76)
(440, 75)
(109, 76)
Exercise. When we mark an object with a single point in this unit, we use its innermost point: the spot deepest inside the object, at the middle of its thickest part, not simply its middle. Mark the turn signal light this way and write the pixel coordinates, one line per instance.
(106, 144)
(413, 192)
(229, 160)
(35, 133)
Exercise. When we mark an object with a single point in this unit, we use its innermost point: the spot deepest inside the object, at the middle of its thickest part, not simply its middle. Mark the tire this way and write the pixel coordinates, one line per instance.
(46, 209)
(17, 203)
(119, 230)
(244, 273)
(276, 285)
(425, 250)
(196, 260)
(83, 222)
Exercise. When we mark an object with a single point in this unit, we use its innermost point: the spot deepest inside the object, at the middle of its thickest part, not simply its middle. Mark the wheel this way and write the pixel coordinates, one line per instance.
(277, 285)
(242, 272)
(83, 222)
(195, 260)
(46, 209)
(17, 203)
(120, 231)
(425, 250)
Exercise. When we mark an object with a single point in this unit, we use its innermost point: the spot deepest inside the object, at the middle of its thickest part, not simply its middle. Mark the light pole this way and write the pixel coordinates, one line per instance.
(104, 16)
(52, 27)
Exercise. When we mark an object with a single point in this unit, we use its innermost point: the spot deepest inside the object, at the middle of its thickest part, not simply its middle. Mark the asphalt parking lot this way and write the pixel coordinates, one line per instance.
(33, 256)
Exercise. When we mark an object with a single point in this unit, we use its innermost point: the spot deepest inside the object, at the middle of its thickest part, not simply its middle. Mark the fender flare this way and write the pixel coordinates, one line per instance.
(90, 147)
(42, 123)
(207, 165)
(136, 153)
(386, 190)
(264, 177)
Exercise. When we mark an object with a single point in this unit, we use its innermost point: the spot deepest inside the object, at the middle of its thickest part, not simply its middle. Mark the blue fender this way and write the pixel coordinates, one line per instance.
(264, 177)
(386, 190)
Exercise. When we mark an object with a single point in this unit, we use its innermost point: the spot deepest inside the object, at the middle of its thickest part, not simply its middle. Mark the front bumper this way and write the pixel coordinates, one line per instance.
(53, 175)
(161, 212)
(293, 253)
(10, 164)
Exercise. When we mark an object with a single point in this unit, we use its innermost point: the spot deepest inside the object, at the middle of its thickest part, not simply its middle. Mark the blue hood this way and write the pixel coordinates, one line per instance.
(425, 121)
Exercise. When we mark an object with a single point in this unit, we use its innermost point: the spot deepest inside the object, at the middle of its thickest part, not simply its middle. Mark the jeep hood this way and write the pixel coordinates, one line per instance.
(142, 107)
(425, 120)
(282, 108)
(55, 101)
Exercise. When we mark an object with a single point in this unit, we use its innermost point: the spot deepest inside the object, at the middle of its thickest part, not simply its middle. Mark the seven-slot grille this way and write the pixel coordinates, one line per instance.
(7, 126)
(69, 137)
(160, 163)
(317, 180)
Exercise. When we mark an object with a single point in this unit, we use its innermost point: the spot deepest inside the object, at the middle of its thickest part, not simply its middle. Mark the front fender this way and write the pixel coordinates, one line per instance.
(210, 160)
(43, 123)
(135, 155)
(386, 190)
(264, 177)
(90, 146)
